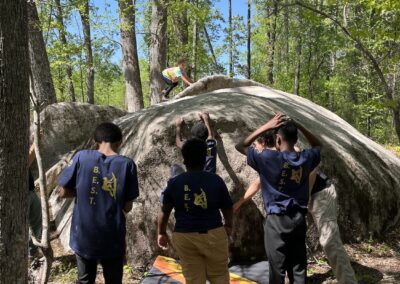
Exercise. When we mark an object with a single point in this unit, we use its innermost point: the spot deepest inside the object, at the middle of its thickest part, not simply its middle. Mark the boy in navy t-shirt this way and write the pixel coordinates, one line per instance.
(200, 238)
(105, 185)
(201, 130)
(284, 184)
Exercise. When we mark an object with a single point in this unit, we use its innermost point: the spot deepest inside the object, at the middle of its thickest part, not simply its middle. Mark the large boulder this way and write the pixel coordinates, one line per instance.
(366, 175)
(67, 125)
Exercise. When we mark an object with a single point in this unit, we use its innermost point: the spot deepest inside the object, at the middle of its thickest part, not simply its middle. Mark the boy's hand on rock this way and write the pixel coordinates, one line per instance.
(162, 241)
(179, 121)
(204, 116)
(236, 207)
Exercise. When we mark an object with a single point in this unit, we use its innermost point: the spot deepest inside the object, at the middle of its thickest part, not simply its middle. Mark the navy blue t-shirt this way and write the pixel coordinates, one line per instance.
(211, 159)
(197, 198)
(284, 177)
(103, 185)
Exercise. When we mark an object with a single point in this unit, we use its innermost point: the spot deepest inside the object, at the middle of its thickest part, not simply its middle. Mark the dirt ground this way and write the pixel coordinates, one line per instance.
(373, 262)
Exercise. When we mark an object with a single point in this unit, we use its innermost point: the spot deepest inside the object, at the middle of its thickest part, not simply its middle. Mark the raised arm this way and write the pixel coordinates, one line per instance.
(314, 142)
(274, 123)
(205, 117)
(250, 192)
(163, 216)
(178, 132)
(186, 80)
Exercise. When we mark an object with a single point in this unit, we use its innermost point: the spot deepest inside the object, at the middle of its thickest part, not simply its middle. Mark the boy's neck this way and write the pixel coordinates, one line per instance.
(106, 149)
(288, 148)
(190, 170)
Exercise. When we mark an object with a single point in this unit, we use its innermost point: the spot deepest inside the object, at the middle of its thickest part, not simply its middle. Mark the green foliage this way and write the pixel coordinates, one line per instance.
(64, 273)
(334, 72)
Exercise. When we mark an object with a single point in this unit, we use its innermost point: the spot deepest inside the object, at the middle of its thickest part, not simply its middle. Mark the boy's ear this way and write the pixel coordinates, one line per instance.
(278, 140)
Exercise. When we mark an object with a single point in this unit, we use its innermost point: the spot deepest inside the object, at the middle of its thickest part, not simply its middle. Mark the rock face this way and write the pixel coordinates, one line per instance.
(366, 175)
(68, 125)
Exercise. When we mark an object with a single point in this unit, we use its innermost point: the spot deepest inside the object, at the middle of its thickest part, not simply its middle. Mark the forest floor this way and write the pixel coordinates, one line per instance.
(373, 262)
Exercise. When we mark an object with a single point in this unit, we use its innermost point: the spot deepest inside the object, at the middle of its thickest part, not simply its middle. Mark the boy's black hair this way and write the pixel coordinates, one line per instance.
(200, 131)
(288, 131)
(194, 152)
(107, 132)
(267, 138)
(181, 60)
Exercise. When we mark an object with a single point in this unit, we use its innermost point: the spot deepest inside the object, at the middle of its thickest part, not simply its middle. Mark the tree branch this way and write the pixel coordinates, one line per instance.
(358, 44)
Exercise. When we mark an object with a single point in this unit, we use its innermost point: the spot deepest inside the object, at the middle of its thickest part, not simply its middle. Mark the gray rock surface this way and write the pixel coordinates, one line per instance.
(67, 125)
(366, 174)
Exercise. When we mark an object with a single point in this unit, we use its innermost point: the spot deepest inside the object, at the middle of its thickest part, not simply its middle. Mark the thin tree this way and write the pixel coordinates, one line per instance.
(158, 48)
(63, 40)
(194, 45)
(14, 128)
(84, 13)
(44, 243)
(133, 83)
(42, 80)
(248, 39)
(287, 34)
(271, 42)
(299, 43)
(230, 39)
(217, 67)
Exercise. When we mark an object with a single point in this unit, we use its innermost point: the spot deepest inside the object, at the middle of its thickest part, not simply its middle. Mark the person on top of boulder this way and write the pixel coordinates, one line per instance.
(203, 131)
(200, 239)
(105, 185)
(284, 183)
(172, 75)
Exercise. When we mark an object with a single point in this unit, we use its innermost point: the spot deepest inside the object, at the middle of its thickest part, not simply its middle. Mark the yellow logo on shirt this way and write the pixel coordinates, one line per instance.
(110, 185)
(200, 199)
(296, 175)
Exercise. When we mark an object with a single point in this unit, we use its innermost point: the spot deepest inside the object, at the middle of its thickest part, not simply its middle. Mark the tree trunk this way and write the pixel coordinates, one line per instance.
(214, 58)
(396, 120)
(63, 40)
(194, 50)
(158, 48)
(44, 243)
(271, 35)
(42, 81)
(85, 18)
(14, 128)
(230, 40)
(133, 83)
(297, 72)
(248, 39)
(286, 46)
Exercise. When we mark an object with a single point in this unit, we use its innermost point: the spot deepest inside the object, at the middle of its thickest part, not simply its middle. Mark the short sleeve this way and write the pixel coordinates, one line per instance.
(225, 201)
(179, 72)
(68, 176)
(252, 158)
(314, 154)
(131, 183)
